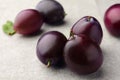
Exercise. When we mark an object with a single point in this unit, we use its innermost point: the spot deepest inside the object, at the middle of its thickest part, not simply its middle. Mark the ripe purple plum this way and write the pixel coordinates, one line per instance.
(50, 48)
(28, 22)
(52, 10)
(112, 20)
(82, 55)
(90, 27)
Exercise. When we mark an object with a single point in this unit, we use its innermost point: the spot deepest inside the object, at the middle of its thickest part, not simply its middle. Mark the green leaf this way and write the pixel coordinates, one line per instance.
(8, 28)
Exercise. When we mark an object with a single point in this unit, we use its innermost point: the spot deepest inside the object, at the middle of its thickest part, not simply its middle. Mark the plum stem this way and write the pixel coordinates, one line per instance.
(48, 64)
(88, 18)
(65, 14)
(71, 35)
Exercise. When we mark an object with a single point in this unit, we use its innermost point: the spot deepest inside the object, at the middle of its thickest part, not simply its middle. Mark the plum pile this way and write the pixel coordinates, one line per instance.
(81, 52)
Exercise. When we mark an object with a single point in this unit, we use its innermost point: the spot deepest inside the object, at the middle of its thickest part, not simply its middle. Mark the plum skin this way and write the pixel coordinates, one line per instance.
(112, 20)
(82, 55)
(90, 27)
(50, 48)
(28, 22)
(52, 11)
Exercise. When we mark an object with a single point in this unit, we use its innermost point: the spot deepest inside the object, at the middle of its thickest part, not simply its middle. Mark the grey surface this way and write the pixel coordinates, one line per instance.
(18, 59)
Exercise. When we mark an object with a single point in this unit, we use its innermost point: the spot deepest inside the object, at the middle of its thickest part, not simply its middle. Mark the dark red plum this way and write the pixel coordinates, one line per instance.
(112, 20)
(82, 55)
(28, 22)
(52, 10)
(50, 48)
(90, 27)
